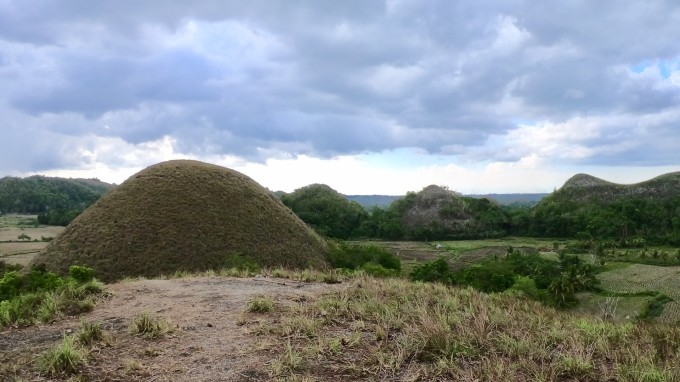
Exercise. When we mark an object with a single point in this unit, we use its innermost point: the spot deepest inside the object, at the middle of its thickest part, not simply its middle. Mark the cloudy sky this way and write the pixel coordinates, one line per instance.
(367, 96)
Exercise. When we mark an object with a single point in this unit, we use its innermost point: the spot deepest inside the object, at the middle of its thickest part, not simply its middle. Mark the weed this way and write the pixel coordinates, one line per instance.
(149, 326)
(133, 366)
(64, 358)
(260, 304)
(288, 362)
(89, 333)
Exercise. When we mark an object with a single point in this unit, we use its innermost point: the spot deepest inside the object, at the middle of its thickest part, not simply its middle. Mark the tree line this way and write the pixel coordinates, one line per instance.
(625, 221)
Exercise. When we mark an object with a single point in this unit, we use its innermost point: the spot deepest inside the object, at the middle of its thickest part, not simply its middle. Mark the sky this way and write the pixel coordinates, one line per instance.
(367, 96)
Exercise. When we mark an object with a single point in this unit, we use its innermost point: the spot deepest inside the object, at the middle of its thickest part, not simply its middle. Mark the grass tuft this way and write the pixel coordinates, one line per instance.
(149, 326)
(65, 358)
(260, 304)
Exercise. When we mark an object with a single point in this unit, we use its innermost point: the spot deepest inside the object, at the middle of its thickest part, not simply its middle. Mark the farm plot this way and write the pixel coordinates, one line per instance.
(639, 278)
(20, 252)
(671, 313)
(35, 233)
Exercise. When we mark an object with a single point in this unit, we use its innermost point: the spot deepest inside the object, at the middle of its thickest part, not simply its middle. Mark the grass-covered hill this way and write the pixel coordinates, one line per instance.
(37, 194)
(184, 215)
(583, 188)
(589, 206)
(327, 211)
(438, 213)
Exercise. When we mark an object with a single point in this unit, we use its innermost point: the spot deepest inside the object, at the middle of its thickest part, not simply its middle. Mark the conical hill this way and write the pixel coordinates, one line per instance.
(184, 215)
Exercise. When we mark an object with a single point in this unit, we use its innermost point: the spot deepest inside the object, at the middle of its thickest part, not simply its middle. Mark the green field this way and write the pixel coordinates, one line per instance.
(638, 278)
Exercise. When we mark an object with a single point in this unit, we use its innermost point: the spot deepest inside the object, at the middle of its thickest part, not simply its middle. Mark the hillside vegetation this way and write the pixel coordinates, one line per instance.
(326, 210)
(588, 207)
(436, 213)
(37, 194)
(57, 201)
(182, 216)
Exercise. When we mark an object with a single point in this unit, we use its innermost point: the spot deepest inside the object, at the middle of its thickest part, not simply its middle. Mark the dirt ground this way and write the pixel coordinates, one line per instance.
(209, 343)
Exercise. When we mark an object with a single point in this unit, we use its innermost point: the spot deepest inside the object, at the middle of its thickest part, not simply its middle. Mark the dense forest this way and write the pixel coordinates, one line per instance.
(56, 200)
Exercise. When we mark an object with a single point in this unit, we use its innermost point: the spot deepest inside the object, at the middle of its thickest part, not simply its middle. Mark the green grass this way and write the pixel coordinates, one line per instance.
(638, 278)
(393, 329)
(466, 245)
(64, 358)
(147, 227)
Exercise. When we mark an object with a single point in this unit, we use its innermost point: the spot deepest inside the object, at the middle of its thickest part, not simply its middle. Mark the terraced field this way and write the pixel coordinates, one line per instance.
(638, 278)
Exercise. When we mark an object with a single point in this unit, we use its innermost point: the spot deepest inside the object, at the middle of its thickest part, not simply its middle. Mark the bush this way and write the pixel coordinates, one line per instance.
(489, 277)
(433, 271)
(10, 285)
(81, 274)
(355, 256)
(526, 286)
(377, 270)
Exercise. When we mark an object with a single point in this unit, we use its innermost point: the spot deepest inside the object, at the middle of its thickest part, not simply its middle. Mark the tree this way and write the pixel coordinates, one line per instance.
(23, 236)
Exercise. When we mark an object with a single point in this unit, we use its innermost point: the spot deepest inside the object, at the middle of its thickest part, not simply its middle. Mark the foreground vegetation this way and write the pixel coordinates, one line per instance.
(41, 296)
(393, 329)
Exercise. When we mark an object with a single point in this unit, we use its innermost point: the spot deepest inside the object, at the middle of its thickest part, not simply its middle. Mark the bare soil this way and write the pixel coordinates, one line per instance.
(209, 341)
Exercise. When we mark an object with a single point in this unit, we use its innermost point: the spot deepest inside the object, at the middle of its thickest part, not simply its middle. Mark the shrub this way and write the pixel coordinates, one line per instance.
(377, 270)
(355, 256)
(489, 277)
(433, 271)
(81, 274)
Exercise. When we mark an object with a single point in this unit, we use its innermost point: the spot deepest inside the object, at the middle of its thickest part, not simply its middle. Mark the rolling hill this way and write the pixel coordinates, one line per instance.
(184, 215)
(38, 194)
(587, 206)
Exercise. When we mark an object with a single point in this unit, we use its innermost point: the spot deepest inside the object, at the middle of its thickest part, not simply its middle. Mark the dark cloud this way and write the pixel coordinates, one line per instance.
(328, 78)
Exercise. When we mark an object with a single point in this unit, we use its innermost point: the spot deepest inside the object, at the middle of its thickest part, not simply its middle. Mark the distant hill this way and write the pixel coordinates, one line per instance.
(368, 201)
(438, 213)
(592, 207)
(38, 194)
(184, 215)
(326, 210)
(585, 188)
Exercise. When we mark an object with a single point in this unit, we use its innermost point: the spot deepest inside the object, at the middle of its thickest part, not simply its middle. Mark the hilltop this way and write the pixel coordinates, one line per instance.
(38, 194)
(184, 215)
(326, 210)
(585, 188)
(437, 212)
(592, 207)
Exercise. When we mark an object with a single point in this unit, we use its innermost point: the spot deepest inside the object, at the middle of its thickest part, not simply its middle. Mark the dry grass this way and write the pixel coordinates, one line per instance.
(184, 216)
(397, 330)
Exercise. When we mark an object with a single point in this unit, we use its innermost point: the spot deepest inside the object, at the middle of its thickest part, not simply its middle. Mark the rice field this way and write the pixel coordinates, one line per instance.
(638, 278)
(671, 313)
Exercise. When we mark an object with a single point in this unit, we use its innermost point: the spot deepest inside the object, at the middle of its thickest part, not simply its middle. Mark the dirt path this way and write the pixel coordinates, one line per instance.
(209, 344)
